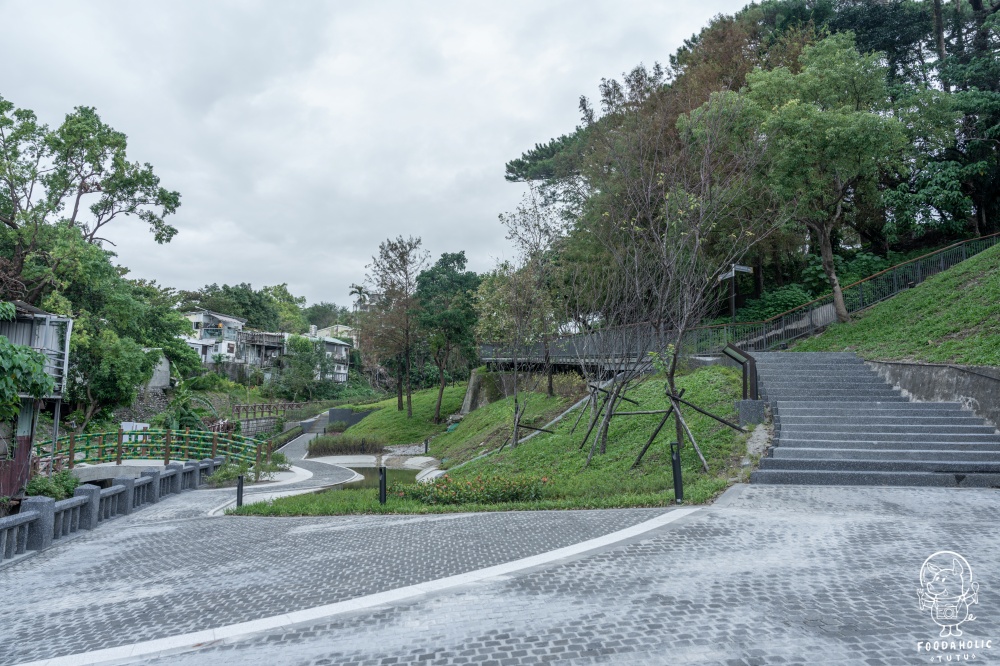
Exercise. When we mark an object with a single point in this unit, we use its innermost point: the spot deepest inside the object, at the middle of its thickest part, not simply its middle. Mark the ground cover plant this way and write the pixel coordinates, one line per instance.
(609, 481)
(228, 473)
(335, 427)
(347, 444)
(954, 317)
(488, 427)
(394, 427)
(59, 486)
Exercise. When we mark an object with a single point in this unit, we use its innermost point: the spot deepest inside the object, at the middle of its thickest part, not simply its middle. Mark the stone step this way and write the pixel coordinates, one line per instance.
(875, 421)
(869, 478)
(817, 407)
(839, 465)
(902, 427)
(846, 395)
(823, 383)
(803, 453)
(888, 444)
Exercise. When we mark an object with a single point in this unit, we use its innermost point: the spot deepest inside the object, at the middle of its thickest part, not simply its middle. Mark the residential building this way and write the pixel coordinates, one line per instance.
(49, 334)
(213, 333)
(341, 332)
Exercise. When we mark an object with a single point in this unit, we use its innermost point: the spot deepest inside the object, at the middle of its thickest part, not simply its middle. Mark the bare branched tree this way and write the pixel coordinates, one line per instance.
(391, 318)
(679, 203)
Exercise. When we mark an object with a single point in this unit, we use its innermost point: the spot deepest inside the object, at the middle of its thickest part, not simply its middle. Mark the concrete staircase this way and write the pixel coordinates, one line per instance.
(838, 423)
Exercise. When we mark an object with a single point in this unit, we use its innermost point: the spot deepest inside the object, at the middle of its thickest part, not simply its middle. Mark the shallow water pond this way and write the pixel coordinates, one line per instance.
(392, 476)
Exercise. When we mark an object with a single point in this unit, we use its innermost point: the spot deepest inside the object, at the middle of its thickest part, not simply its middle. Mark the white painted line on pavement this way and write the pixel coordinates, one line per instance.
(234, 632)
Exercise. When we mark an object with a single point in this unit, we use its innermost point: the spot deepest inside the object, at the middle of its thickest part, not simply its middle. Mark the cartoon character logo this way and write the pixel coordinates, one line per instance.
(947, 591)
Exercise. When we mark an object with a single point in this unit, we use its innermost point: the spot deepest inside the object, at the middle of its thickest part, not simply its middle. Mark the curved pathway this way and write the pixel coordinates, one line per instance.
(768, 575)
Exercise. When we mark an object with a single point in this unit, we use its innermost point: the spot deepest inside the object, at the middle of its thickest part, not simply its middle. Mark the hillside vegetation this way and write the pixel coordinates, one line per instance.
(392, 425)
(558, 463)
(954, 317)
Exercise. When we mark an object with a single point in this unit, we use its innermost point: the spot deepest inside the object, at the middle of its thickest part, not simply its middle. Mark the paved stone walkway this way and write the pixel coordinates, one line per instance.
(782, 576)
(801, 575)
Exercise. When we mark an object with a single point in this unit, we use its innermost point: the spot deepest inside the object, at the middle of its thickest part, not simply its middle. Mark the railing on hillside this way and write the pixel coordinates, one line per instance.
(633, 342)
(263, 410)
(165, 445)
(805, 319)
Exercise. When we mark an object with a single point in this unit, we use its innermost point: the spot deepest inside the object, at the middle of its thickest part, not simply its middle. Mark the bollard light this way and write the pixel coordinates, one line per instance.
(381, 485)
(675, 462)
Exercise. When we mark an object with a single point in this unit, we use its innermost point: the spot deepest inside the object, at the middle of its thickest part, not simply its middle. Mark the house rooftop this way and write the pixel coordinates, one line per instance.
(218, 315)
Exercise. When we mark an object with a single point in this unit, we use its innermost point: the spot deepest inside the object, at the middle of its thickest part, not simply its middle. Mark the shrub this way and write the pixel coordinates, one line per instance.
(60, 486)
(228, 472)
(774, 303)
(479, 490)
(341, 445)
(336, 426)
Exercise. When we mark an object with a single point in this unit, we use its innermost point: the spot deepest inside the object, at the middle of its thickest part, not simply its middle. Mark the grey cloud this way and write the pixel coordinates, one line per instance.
(301, 134)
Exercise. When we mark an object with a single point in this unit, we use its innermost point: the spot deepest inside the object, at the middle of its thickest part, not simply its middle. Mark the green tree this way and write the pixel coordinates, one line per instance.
(108, 369)
(303, 367)
(447, 314)
(241, 300)
(831, 134)
(78, 176)
(291, 319)
(324, 314)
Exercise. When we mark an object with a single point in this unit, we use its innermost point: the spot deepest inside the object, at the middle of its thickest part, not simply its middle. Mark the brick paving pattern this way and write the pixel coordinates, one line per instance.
(133, 582)
(786, 575)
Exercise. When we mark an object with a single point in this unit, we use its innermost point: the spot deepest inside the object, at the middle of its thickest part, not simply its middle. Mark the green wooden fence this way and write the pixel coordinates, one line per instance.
(165, 445)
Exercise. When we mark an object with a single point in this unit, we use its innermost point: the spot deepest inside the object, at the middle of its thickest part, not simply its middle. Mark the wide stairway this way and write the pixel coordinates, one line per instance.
(837, 422)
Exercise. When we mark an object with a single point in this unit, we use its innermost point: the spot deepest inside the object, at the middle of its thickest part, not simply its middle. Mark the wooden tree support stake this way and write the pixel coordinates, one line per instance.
(687, 431)
(656, 432)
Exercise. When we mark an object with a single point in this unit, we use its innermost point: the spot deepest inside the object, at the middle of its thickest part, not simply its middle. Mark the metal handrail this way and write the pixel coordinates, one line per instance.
(749, 365)
(776, 331)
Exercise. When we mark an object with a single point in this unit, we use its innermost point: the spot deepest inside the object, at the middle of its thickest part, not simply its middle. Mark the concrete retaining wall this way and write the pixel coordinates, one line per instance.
(349, 416)
(977, 387)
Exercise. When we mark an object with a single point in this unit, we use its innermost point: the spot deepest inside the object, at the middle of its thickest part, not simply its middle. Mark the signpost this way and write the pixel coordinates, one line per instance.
(731, 276)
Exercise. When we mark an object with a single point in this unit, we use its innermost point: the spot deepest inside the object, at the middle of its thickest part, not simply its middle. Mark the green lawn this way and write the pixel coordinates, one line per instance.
(954, 317)
(488, 427)
(608, 482)
(395, 428)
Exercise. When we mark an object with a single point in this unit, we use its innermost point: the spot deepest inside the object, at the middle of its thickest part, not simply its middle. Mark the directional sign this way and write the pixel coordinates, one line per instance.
(734, 270)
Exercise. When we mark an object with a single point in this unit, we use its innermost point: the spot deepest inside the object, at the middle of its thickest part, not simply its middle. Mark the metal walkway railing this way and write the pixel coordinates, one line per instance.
(635, 341)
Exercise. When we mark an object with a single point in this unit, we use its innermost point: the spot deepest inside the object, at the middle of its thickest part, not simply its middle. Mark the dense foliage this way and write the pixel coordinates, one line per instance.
(878, 121)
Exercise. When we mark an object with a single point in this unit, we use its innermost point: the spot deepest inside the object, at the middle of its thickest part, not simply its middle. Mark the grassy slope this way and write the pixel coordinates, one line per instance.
(488, 427)
(393, 425)
(608, 482)
(954, 317)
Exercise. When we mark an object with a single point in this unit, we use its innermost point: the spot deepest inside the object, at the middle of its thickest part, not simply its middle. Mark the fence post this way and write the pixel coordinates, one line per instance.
(126, 498)
(118, 451)
(256, 471)
(166, 448)
(72, 449)
(187, 443)
(215, 444)
(100, 448)
(177, 480)
(154, 486)
(963, 252)
(195, 465)
(40, 531)
(88, 512)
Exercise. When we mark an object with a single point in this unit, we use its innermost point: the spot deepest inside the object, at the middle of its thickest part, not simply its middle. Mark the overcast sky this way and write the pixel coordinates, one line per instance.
(300, 134)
